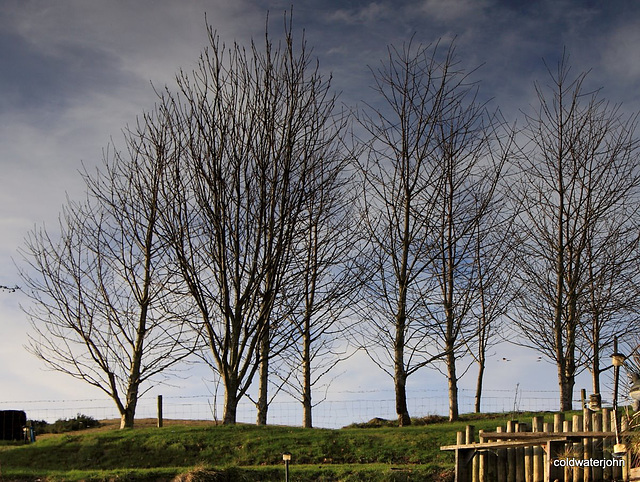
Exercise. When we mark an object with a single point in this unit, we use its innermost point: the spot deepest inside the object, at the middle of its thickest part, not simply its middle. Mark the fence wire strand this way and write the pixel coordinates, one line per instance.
(341, 409)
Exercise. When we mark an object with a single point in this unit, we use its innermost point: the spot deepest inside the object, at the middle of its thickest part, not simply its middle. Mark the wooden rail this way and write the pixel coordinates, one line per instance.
(522, 452)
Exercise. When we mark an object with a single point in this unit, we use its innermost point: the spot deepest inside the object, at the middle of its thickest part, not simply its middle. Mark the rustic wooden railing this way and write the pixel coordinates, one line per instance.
(522, 452)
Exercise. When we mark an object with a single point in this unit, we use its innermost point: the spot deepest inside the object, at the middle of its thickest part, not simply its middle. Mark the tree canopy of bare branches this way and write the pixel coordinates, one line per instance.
(427, 180)
(253, 125)
(103, 309)
(576, 235)
(326, 256)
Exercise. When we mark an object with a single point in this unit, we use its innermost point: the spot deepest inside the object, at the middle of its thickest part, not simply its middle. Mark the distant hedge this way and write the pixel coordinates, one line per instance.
(79, 422)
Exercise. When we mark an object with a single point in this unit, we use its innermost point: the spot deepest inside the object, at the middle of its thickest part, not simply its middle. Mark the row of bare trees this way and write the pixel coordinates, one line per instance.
(253, 224)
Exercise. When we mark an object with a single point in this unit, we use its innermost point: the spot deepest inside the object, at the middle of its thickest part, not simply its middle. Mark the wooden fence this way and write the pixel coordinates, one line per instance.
(579, 449)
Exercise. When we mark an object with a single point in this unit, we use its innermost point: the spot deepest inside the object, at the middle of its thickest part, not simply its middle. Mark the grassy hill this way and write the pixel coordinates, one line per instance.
(203, 451)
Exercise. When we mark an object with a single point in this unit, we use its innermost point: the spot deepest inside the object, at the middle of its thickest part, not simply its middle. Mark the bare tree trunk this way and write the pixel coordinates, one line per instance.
(566, 392)
(595, 368)
(263, 391)
(400, 373)
(483, 332)
(230, 402)
(479, 380)
(453, 385)
(567, 370)
(127, 418)
(127, 412)
(306, 376)
(400, 382)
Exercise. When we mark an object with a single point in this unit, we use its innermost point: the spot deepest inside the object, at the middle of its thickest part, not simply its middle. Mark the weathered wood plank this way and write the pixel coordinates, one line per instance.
(506, 444)
(535, 435)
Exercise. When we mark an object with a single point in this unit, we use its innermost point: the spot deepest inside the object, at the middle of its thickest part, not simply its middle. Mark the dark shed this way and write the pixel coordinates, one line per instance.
(11, 424)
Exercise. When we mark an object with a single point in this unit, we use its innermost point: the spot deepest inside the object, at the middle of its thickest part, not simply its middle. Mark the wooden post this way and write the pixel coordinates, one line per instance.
(492, 467)
(511, 454)
(597, 472)
(616, 472)
(624, 427)
(607, 473)
(526, 457)
(576, 451)
(502, 461)
(538, 454)
(568, 449)
(553, 473)
(587, 450)
(470, 434)
(520, 469)
(159, 411)
(482, 461)
(462, 460)
(555, 427)
(470, 437)
(558, 419)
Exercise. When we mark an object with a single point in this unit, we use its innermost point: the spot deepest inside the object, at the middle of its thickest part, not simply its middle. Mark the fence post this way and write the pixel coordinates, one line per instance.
(511, 454)
(502, 461)
(624, 422)
(558, 419)
(568, 450)
(538, 457)
(578, 472)
(616, 471)
(586, 443)
(462, 460)
(482, 461)
(470, 437)
(607, 473)
(521, 457)
(159, 411)
(597, 446)
(492, 466)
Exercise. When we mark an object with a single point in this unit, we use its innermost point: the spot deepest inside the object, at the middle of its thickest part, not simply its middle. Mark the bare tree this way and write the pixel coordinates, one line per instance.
(103, 309)
(326, 258)
(253, 124)
(470, 156)
(425, 189)
(495, 270)
(579, 179)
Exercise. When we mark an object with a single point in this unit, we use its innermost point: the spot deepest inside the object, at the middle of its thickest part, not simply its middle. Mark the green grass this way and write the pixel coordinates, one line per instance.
(205, 452)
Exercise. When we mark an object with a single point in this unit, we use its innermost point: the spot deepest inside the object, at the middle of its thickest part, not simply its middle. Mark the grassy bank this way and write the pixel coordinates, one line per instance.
(203, 451)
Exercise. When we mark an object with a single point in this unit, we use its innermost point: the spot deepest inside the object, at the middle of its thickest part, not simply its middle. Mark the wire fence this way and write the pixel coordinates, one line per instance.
(339, 410)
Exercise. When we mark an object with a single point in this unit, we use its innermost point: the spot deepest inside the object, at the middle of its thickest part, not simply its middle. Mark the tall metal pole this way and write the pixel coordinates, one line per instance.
(616, 372)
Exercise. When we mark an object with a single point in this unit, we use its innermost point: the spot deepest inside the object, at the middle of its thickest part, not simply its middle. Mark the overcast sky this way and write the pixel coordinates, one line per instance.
(73, 73)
